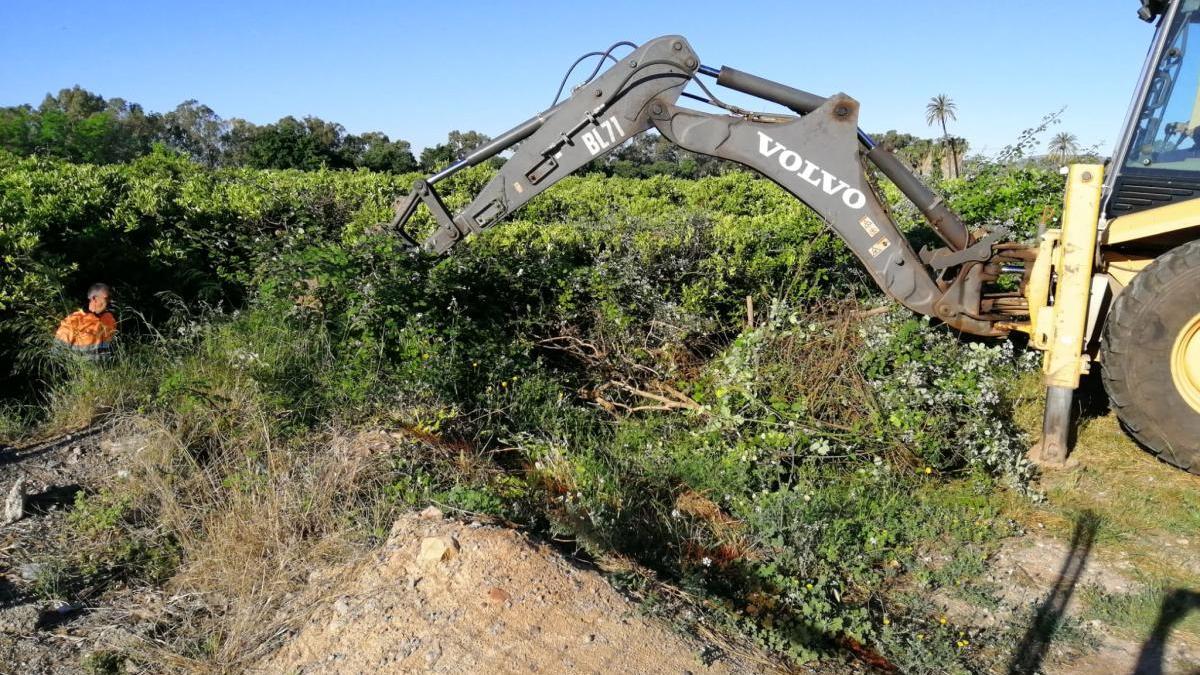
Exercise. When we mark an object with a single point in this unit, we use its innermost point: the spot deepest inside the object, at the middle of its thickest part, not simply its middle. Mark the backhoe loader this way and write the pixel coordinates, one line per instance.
(1118, 284)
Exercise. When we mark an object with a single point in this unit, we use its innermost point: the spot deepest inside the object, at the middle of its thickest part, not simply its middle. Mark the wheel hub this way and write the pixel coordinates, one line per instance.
(1185, 362)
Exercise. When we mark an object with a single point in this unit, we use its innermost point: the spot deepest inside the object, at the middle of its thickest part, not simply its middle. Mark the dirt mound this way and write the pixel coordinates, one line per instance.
(443, 596)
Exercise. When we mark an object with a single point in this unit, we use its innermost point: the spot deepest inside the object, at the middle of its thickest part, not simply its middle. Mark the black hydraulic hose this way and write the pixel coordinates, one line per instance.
(608, 55)
(604, 55)
(562, 85)
(527, 128)
(617, 92)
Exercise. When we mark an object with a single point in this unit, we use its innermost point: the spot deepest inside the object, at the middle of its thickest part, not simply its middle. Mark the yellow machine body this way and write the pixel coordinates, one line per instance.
(1082, 266)
(1060, 285)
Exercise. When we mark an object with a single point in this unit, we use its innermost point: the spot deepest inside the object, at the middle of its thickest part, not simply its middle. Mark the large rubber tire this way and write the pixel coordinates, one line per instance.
(1140, 335)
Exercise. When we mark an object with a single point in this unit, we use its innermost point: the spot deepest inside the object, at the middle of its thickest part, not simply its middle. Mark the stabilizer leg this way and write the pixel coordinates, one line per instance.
(1056, 427)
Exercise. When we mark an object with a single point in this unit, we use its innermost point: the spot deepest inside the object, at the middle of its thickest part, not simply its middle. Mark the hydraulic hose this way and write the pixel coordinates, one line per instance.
(943, 221)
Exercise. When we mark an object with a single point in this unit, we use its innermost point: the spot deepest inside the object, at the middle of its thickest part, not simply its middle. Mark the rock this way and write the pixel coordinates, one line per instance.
(498, 594)
(437, 549)
(31, 571)
(57, 611)
(431, 513)
(14, 505)
(20, 619)
(340, 606)
(434, 654)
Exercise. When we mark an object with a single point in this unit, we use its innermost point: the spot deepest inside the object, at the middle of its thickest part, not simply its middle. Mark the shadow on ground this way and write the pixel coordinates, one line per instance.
(1031, 651)
(55, 496)
(1177, 604)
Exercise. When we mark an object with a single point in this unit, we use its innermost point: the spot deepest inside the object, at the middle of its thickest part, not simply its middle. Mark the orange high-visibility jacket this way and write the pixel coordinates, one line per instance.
(86, 331)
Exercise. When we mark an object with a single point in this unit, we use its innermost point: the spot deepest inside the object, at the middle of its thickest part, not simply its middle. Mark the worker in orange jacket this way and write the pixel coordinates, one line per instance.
(90, 331)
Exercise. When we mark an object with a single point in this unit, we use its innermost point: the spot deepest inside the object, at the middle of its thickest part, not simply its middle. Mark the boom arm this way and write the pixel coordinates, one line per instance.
(817, 157)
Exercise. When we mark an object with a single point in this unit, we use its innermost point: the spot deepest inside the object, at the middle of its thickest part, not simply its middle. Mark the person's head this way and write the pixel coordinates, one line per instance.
(98, 296)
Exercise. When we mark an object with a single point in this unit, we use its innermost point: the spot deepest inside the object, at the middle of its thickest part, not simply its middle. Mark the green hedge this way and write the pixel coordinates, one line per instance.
(164, 231)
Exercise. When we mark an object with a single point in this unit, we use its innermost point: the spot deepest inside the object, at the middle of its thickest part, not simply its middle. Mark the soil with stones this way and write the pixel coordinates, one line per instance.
(1049, 577)
(447, 597)
(440, 596)
(47, 623)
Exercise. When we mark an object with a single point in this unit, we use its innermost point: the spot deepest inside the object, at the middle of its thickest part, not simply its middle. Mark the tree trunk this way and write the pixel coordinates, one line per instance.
(946, 143)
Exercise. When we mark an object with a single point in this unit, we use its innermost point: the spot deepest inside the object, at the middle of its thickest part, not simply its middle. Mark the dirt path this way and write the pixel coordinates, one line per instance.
(41, 630)
(1107, 576)
(447, 597)
(1059, 578)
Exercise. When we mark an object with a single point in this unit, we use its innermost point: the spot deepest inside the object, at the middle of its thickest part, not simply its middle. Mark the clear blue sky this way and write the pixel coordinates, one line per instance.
(416, 70)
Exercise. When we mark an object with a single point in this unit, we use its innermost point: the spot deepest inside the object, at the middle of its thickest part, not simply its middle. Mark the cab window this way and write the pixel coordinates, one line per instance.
(1168, 132)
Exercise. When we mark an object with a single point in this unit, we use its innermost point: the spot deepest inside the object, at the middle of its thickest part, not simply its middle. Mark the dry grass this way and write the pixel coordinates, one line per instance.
(251, 518)
(824, 356)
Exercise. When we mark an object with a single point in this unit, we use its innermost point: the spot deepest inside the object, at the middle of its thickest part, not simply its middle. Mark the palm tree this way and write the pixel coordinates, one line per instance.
(940, 109)
(1062, 147)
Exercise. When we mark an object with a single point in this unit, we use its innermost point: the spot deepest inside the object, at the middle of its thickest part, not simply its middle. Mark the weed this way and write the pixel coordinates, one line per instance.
(1137, 612)
(104, 662)
(53, 580)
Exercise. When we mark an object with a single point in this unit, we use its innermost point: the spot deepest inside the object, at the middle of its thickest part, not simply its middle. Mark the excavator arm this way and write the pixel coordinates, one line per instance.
(818, 155)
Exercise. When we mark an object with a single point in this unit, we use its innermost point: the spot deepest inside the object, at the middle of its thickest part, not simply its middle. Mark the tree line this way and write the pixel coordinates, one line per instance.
(84, 127)
(81, 126)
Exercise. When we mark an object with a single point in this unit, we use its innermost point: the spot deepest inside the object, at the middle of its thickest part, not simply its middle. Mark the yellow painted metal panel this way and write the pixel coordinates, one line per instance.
(1037, 292)
(1153, 222)
(1123, 268)
(1064, 360)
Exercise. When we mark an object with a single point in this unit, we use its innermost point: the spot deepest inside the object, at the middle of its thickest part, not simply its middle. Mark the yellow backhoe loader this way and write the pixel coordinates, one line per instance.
(1117, 285)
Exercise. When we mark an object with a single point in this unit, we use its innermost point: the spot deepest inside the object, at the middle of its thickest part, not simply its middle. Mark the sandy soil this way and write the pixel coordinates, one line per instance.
(448, 597)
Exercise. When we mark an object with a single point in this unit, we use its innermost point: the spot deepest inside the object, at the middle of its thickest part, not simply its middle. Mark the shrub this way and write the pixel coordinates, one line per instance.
(1024, 198)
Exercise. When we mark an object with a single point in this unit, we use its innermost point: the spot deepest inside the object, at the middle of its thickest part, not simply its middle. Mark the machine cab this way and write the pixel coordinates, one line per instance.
(1158, 162)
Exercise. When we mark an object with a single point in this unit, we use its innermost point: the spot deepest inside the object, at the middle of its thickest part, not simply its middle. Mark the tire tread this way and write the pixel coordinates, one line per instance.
(1119, 341)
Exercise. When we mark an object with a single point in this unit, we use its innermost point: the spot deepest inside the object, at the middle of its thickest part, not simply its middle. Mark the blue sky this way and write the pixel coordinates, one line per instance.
(417, 70)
